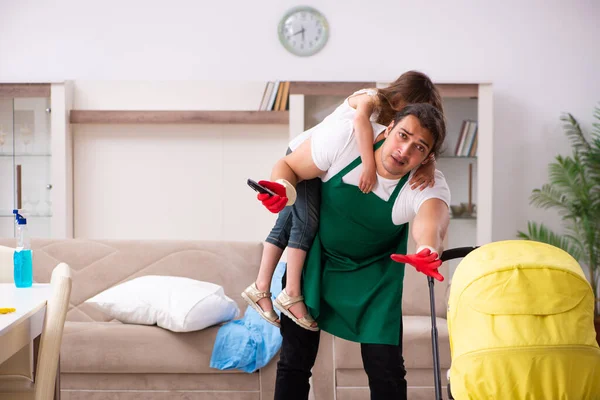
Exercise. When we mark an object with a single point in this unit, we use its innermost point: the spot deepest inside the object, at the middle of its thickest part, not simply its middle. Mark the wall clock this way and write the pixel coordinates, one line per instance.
(303, 31)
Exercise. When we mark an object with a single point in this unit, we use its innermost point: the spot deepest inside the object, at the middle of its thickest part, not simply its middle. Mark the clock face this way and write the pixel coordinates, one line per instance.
(303, 31)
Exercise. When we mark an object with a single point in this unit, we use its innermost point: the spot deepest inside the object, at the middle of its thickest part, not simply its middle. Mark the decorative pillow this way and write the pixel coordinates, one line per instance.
(171, 302)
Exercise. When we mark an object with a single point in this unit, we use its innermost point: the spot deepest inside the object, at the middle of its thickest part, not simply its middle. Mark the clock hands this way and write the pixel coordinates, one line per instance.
(300, 31)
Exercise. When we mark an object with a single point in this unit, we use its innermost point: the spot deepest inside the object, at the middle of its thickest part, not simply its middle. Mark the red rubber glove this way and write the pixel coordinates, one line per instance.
(424, 261)
(273, 203)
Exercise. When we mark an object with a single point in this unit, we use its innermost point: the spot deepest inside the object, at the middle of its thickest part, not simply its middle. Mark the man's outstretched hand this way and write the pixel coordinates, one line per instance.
(424, 261)
(274, 203)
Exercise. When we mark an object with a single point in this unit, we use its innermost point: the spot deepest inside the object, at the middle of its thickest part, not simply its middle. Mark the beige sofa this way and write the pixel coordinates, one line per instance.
(105, 359)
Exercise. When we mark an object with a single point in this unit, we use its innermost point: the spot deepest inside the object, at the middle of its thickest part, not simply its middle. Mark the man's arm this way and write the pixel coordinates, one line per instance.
(429, 229)
(296, 166)
(310, 160)
(430, 225)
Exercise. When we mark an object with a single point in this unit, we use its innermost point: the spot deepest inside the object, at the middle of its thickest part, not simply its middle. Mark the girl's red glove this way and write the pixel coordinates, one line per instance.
(424, 261)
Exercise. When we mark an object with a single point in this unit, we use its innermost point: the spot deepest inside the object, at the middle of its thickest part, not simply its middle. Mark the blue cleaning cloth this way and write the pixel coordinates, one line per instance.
(249, 343)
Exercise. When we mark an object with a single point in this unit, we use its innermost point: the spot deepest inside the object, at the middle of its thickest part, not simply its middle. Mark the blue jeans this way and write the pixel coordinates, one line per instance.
(297, 225)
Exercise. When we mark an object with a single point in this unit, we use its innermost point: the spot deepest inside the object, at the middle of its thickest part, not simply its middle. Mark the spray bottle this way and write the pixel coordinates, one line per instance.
(22, 260)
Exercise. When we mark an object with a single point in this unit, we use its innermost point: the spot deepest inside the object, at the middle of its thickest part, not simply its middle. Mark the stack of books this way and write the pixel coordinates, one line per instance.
(466, 146)
(276, 96)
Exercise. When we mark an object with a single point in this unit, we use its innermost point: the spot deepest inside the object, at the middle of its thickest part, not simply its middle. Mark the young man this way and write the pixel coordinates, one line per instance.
(351, 285)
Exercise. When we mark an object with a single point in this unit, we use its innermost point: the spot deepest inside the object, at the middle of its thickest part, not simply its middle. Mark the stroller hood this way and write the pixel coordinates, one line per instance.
(519, 277)
(520, 316)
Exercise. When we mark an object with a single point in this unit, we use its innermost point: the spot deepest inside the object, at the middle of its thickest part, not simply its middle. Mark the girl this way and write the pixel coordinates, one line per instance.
(297, 225)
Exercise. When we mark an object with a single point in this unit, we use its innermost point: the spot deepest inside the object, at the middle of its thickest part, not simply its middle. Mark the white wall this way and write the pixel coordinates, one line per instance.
(541, 56)
(172, 181)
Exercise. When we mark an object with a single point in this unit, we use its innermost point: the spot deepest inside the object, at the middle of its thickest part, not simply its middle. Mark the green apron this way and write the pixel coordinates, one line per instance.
(351, 286)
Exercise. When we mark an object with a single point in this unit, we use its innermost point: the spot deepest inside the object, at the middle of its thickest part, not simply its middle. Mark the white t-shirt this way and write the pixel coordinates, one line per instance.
(334, 146)
(344, 112)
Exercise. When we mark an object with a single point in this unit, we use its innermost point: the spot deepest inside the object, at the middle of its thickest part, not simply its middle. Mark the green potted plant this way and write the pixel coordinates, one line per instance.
(574, 191)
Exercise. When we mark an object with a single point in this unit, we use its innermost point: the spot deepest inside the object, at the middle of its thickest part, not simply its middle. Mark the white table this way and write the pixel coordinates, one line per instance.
(22, 327)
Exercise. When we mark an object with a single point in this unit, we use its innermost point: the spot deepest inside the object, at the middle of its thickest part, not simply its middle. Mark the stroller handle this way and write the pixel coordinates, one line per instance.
(457, 252)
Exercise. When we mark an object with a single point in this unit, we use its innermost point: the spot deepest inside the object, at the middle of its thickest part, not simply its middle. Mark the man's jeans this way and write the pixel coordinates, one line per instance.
(383, 364)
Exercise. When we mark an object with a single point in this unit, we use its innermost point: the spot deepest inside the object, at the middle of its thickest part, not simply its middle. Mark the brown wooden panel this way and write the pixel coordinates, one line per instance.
(328, 88)
(178, 117)
(466, 90)
(463, 90)
(24, 90)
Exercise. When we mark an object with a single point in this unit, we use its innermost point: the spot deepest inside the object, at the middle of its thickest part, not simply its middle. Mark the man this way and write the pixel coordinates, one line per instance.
(351, 285)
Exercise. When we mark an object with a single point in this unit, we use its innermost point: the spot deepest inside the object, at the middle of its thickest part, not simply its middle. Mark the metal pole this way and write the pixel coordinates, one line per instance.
(434, 343)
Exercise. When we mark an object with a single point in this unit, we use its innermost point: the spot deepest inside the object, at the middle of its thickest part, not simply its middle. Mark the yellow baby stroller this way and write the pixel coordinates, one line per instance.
(520, 322)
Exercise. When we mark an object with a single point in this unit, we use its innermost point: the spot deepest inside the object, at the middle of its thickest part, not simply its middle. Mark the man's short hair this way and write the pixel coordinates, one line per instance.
(430, 118)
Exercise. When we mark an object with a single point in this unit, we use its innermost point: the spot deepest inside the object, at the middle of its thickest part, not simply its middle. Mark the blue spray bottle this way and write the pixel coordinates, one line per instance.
(22, 257)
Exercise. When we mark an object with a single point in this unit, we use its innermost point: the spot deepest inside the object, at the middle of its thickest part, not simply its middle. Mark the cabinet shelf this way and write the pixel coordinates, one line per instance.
(25, 155)
(458, 90)
(177, 117)
(312, 88)
(12, 90)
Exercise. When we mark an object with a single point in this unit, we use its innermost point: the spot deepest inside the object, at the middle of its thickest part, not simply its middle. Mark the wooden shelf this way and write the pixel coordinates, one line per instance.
(458, 90)
(9, 90)
(25, 155)
(447, 90)
(178, 117)
(328, 88)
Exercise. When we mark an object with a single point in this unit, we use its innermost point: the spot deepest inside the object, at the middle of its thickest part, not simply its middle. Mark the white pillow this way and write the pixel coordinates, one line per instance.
(171, 302)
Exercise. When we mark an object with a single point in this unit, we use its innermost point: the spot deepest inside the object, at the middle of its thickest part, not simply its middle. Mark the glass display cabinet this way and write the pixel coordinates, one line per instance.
(25, 161)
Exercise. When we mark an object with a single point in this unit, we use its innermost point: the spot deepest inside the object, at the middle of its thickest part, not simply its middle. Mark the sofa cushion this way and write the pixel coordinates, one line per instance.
(416, 345)
(415, 377)
(213, 382)
(113, 347)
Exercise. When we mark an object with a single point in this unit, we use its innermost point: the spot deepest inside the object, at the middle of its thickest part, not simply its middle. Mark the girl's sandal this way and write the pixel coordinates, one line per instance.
(252, 295)
(283, 302)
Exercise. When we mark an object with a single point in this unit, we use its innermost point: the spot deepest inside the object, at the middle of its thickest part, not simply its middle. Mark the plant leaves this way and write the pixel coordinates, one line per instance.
(541, 233)
(573, 190)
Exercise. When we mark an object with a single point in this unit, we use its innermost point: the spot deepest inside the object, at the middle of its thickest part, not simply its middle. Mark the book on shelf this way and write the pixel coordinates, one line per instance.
(460, 138)
(266, 96)
(285, 96)
(275, 96)
(473, 150)
(466, 145)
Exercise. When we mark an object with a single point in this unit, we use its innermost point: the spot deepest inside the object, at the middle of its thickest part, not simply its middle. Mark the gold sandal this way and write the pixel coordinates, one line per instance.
(284, 301)
(252, 295)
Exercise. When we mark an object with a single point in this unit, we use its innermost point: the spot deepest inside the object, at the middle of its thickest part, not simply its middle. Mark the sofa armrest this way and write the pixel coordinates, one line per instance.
(267, 376)
(323, 374)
